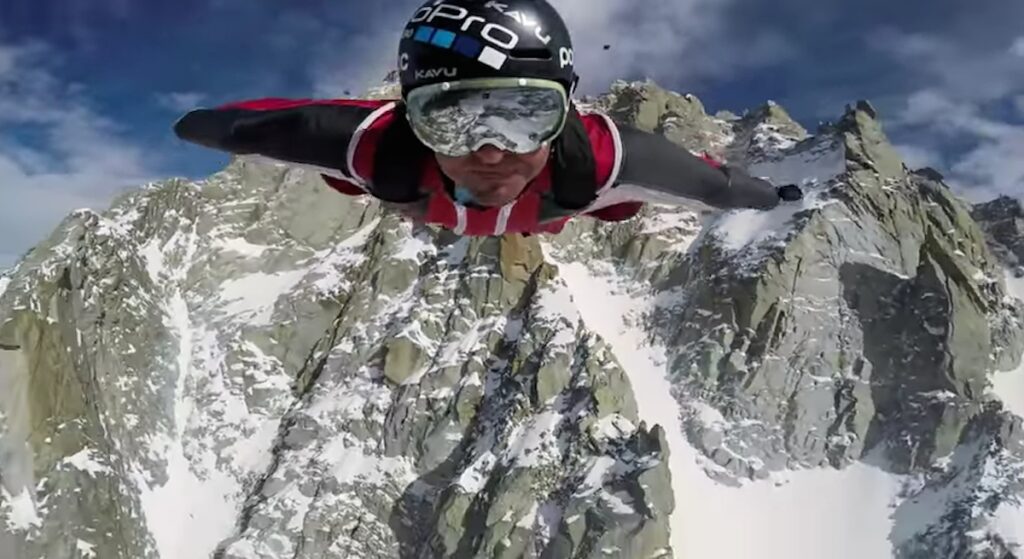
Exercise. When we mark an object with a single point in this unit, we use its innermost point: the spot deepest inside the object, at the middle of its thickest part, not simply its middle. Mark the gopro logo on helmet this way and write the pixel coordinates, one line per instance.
(498, 35)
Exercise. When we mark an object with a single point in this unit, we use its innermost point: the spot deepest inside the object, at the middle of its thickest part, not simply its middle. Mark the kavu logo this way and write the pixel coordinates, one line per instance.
(437, 72)
(522, 18)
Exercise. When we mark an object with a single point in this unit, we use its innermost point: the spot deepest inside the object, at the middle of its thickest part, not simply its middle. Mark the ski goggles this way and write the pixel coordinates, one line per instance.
(457, 118)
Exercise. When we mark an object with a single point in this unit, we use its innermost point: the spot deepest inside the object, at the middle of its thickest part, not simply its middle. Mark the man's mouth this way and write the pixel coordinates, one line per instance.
(491, 174)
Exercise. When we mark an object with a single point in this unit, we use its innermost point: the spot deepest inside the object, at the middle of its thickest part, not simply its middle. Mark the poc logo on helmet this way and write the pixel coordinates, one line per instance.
(565, 57)
(497, 35)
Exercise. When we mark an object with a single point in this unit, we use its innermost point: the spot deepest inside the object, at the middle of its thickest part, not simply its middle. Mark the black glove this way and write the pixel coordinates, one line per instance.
(790, 192)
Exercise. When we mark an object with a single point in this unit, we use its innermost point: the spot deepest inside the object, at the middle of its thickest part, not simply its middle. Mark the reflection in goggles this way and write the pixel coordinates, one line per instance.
(518, 119)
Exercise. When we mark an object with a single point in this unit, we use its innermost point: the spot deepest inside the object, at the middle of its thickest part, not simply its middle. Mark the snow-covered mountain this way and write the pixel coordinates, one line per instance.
(253, 366)
(4, 280)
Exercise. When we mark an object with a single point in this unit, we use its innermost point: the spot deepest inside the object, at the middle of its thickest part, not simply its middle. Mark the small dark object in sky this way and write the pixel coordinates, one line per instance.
(606, 47)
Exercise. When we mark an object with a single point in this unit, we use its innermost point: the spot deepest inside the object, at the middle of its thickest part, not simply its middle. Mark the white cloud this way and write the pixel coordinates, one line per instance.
(76, 158)
(334, 75)
(180, 101)
(645, 41)
(923, 106)
(368, 55)
(959, 82)
(962, 71)
(942, 113)
(1017, 48)
(664, 40)
(993, 166)
(917, 157)
(6, 61)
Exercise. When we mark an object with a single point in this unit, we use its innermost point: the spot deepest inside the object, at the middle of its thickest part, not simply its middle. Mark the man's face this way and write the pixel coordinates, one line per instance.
(493, 175)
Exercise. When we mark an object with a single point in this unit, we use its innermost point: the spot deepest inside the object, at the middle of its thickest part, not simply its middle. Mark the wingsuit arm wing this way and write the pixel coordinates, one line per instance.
(308, 132)
(663, 172)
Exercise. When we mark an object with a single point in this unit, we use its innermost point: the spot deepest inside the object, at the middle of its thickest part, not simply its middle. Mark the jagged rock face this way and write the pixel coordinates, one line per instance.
(1002, 220)
(681, 118)
(341, 385)
(256, 366)
(865, 330)
(895, 324)
(765, 132)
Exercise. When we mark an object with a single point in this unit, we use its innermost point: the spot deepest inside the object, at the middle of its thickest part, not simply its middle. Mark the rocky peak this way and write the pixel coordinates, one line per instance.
(763, 133)
(254, 366)
(1003, 222)
(389, 88)
(930, 174)
(679, 117)
(867, 145)
(1003, 208)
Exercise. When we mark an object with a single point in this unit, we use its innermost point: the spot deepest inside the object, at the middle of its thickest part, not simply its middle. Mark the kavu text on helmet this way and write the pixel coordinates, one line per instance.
(450, 40)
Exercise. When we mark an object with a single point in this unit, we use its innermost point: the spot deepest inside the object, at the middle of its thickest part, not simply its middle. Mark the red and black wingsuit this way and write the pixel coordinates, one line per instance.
(597, 168)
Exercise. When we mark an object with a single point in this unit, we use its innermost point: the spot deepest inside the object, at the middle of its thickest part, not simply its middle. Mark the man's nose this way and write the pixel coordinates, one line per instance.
(489, 155)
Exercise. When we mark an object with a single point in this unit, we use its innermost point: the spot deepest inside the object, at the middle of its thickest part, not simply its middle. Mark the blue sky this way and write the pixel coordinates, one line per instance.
(89, 89)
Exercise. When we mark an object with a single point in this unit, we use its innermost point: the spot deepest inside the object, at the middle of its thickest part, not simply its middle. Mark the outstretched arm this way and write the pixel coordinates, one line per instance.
(299, 131)
(668, 173)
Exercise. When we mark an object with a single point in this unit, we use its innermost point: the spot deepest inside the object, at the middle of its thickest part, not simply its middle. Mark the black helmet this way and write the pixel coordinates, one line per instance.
(449, 40)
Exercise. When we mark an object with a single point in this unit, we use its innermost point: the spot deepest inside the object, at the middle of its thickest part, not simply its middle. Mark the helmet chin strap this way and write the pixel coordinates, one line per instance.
(464, 195)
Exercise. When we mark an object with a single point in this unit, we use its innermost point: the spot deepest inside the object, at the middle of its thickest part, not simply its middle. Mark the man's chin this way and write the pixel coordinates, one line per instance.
(494, 201)
(498, 196)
